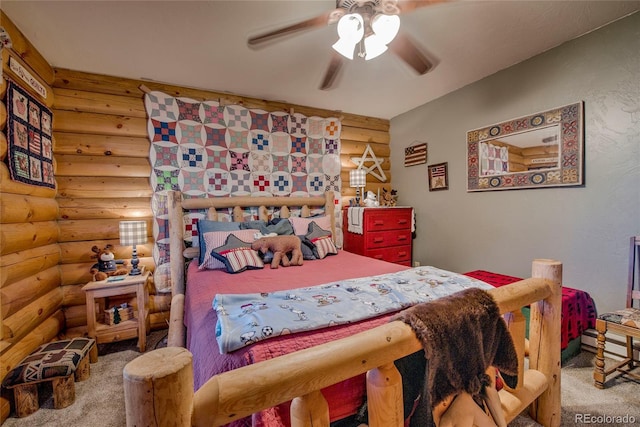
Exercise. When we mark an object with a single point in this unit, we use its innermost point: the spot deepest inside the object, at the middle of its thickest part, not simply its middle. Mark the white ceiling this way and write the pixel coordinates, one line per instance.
(202, 44)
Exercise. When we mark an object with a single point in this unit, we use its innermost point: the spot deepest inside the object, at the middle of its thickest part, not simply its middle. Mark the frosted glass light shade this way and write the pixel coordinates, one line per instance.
(385, 27)
(350, 31)
(374, 47)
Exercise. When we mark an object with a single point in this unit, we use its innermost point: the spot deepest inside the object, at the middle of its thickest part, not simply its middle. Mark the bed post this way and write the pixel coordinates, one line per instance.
(545, 337)
(329, 209)
(176, 242)
(176, 334)
(158, 388)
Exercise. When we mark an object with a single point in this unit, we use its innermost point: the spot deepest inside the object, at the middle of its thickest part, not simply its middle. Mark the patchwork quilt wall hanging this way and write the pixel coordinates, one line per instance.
(29, 126)
(205, 149)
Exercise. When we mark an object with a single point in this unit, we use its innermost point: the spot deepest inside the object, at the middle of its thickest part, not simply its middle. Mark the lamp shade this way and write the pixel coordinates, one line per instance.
(133, 232)
(357, 178)
(350, 31)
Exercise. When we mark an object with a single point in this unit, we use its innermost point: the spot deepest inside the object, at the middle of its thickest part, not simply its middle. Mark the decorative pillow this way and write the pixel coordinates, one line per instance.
(322, 241)
(215, 239)
(280, 226)
(206, 226)
(301, 225)
(237, 255)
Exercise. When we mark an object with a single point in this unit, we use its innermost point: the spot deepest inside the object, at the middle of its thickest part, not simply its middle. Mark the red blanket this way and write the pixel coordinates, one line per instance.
(578, 308)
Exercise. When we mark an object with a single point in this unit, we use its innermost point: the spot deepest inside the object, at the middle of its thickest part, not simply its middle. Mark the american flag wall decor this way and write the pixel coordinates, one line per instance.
(438, 177)
(415, 154)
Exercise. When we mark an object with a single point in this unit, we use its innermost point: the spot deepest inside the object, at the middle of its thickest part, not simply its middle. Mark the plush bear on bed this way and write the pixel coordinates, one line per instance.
(280, 246)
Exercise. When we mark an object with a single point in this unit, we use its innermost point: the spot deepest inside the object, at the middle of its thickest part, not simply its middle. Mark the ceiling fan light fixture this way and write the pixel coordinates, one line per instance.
(350, 31)
(386, 27)
(374, 47)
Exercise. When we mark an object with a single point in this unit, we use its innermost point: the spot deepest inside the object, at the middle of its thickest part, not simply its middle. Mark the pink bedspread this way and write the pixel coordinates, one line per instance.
(200, 319)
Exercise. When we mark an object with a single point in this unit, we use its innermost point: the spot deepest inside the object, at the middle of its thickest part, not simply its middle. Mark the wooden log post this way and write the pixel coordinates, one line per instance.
(158, 388)
(384, 397)
(177, 334)
(545, 342)
(176, 241)
(310, 410)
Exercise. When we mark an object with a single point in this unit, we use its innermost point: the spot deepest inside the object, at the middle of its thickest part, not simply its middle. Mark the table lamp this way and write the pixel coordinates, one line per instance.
(357, 180)
(133, 233)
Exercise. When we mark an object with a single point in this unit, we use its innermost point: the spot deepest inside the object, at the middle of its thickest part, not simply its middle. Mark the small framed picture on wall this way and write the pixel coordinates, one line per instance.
(438, 177)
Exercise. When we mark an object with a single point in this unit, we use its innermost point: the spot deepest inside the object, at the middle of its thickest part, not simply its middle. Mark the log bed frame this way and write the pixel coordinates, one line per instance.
(158, 385)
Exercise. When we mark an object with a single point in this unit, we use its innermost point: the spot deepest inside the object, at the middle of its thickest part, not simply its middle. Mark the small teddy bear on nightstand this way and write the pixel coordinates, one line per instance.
(107, 265)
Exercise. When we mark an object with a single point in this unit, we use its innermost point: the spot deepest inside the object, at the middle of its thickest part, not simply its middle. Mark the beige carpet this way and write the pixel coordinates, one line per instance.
(100, 401)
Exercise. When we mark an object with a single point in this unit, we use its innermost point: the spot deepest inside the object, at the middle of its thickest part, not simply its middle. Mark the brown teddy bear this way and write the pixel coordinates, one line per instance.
(280, 246)
(107, 265)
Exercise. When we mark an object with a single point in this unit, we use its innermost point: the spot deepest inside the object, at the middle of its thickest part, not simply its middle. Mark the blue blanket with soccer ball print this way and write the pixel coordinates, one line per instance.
(244, 319)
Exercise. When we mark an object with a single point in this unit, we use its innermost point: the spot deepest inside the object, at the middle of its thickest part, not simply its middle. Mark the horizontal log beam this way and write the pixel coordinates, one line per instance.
(22, 208)
(104, 208)
(102, 103)
(87, 144)
(107, 166)
(118, 188)
(20, 237)
(18, 295)
(94, 123)
(30, 316)
(22, 264)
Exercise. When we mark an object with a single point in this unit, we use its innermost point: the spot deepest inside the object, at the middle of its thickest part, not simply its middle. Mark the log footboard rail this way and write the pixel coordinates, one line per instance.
(159, 385)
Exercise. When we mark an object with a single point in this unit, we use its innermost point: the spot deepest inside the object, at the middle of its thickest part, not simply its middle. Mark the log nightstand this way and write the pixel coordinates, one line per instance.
(125, 329)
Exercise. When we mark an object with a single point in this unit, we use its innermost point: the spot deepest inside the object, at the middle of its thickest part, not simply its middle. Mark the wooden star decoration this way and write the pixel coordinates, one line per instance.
(369, 156)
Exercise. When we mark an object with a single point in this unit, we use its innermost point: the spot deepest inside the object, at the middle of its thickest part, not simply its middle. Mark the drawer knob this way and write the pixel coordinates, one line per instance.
(378, 239)
(402, 237)
(378, 222)
(402, 221)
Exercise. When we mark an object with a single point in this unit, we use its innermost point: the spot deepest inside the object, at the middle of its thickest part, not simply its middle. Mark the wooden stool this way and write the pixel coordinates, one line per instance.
(58, 362)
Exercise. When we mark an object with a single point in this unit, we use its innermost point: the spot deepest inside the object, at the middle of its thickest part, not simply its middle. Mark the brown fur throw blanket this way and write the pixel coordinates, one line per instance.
(462, 335)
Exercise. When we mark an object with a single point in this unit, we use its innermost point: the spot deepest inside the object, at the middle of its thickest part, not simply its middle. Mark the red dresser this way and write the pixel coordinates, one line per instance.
(386, 234)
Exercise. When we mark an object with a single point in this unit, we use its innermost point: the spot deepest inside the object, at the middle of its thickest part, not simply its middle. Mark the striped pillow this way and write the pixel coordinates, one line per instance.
(322, 241)
(215, 239)
(237, 255)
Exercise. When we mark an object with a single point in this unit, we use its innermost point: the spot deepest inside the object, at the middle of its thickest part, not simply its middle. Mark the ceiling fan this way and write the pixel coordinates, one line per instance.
(360, 24)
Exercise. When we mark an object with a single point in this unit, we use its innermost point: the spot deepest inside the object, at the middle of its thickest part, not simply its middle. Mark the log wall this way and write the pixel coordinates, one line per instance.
(31, 311)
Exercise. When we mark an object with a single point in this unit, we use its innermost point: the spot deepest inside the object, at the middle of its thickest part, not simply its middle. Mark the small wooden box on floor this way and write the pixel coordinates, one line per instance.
(386, 234)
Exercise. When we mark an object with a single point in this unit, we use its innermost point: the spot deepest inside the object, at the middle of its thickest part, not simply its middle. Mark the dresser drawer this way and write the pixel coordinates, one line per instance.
(397, 254)
(387, 219)
(382, 239)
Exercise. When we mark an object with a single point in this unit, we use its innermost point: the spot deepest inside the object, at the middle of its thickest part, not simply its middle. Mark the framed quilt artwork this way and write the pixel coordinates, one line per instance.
(29, 129)
(205, 149)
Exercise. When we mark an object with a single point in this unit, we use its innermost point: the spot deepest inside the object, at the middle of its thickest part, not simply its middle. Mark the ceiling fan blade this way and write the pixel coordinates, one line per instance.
(335, 65)
(409, 52)
(309, 24)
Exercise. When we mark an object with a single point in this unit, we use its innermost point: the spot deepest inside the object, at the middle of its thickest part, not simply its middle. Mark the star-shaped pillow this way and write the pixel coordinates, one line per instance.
(237, 255)
(321, 240)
